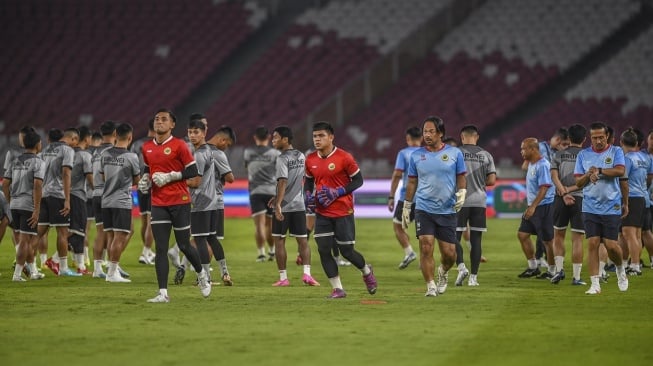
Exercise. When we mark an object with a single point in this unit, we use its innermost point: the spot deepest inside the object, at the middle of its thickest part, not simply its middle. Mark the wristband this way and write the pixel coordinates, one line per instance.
(600, 170)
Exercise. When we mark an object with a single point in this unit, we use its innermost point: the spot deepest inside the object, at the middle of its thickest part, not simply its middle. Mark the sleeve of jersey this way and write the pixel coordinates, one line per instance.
(39, 172)
(400, 163)
(190, 166)
(136, 165)
(146, 165)
(87, 166)
(619, 157)
(544, 176)
(490, 164)
(68, 158)
(282, 168)
(351, 165)
(578, 168)
(412, 169)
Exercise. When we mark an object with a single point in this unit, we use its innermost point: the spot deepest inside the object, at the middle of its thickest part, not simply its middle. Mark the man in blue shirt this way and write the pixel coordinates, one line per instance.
(436, 180)
(605, 200)
(538, 217)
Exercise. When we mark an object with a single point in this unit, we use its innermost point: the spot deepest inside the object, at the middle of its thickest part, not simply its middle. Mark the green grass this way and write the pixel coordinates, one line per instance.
(505, 321)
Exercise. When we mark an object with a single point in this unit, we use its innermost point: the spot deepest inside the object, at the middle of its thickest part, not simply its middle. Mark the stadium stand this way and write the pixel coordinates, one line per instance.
(78, 61)
(619, 93)
(498, 57)
(319, 54)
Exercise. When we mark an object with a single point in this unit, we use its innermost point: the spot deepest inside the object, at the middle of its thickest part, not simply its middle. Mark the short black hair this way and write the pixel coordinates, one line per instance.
(166, 110)
(26, 129)
(108, 128)
(226, 130)
(439, 123)
(55, 134)
(449, 140)
(84, 132)
(284, 131)
(261, 132)
(469, 129)
(577, 133)
(414, 132)
(96, 136)
(629, 137)
(123, 130)
(601, 126)
(562, 132)
(640, 136)
(31, 139)
(196, 123)
(323, 126)
(197, 116)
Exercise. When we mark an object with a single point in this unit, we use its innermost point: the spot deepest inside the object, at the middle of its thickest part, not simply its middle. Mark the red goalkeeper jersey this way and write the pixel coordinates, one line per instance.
(170, 156)
(333, 171)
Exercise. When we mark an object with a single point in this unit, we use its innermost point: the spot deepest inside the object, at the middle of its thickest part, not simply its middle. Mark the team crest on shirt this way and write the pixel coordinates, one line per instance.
(445, 157)
(167, 151)
(184, 198)
(332, 166)
(608, 160)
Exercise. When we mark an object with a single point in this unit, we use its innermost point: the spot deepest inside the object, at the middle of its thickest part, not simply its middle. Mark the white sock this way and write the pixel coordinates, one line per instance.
(532, 263)
(552, 268)
(283, 274)
(163, 291)
(366, 270)
(86, 253)
(408, 250)
(559, 262)
(206, 267)
(430, 284)
(595, 281)
(104, 254)
(97, 266)
(462, 267)
(472, 278)
(43, 258)
(113, 269)
(601, 268)
(18, 270)
(79, 260)
(335, 282)
(261, 251)
(32, 267)
(63, 263)
(307, 269)
(576, 268)
(55, 257)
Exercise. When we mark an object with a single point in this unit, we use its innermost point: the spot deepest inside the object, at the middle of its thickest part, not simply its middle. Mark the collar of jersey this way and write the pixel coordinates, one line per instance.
(164, 142)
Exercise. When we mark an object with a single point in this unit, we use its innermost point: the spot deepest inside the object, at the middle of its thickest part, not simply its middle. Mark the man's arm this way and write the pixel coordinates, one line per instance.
(6, 184)
(66, 172)
(396, 177)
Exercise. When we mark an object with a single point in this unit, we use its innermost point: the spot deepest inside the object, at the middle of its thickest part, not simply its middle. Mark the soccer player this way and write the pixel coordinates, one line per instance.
(81, 176)
(639, 172)
(204, 212)
(221, 141)
(567, 206)
(55, 202)
(260, 160)
(481, 173)
(598, 170)
(169, 163)
(289, 210)
(22, 187)
(120, 169)
(334, 174)
(437, 185)
(108, 131)
(538, 217)
(144, 200)
(413, 141)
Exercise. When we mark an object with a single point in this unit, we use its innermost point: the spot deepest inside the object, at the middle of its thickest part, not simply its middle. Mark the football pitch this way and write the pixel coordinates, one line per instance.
(505, 321)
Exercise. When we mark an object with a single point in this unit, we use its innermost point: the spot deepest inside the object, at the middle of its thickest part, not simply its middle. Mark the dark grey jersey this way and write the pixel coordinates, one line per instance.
(204, 197)
(260, 162)
(56, 156)
(81, 167)
(98, 180)
(222, 168)
(137, 148)
(22, 171)
(479, 164)
(119, 167)
(11, 154)
(290, 166)
(564, 162)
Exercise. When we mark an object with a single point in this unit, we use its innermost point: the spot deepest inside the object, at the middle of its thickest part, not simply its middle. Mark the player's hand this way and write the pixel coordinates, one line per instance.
(65, 211)
(460, 199)
(144, 184)
(391, 204)
(568, 199)
(277, 213)
(161, 179)
(405, 214)
(530, 210)
(33, 220)
(309, 202)
(624, 211)
(327, 195)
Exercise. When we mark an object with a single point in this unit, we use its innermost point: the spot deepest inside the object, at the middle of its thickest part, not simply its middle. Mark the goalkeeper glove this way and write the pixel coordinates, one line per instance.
(327, 196)
(161, 179)
(144, 184)
(460, 199)
(309, 202)
(405, 214)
